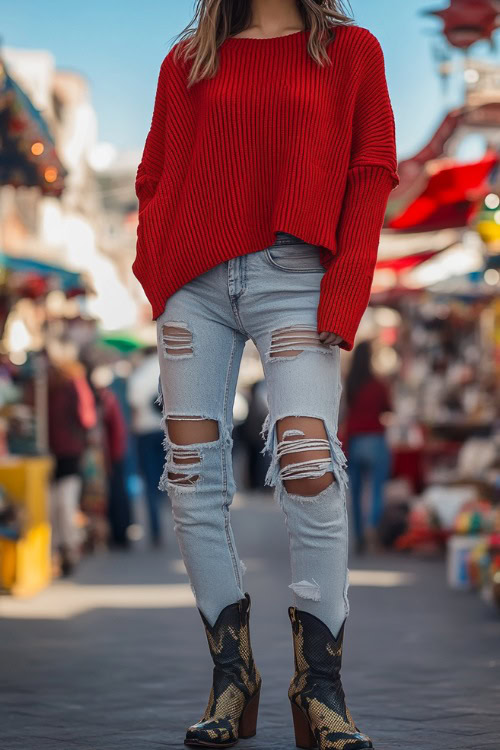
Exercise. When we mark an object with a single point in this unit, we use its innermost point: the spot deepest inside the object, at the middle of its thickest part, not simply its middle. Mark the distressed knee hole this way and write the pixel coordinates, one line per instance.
(178, 458)
(184, 433)
(290, 341)
(303, 452)
(177, 340)
(186, 430)
(290, 427)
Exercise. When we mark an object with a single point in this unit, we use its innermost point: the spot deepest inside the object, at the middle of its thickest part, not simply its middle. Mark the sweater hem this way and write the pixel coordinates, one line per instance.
(158, 303)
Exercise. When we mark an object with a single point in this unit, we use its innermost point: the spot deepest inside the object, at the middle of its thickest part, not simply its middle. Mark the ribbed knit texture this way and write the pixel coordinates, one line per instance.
(273, 142)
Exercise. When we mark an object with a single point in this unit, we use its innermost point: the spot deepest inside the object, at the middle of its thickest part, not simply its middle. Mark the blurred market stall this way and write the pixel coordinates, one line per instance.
(27, 155)
(435, 312)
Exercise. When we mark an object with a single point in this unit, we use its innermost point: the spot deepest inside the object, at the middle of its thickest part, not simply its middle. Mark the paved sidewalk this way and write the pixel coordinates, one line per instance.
(117, 659)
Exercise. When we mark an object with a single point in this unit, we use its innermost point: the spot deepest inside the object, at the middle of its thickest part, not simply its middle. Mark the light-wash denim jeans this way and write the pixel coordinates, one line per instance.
(270, 296)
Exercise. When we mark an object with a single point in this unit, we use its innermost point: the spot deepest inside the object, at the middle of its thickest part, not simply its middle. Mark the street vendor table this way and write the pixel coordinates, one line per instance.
(25, 564)
(415, 463)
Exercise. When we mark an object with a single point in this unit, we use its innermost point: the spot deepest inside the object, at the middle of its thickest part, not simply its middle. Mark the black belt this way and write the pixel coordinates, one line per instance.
(284, 238)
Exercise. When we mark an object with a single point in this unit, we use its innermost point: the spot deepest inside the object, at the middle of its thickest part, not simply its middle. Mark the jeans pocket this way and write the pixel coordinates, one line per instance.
(295, 258)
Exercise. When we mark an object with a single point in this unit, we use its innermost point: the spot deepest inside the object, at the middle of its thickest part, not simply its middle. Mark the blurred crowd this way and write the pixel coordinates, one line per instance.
(105, 436)
(419, 414)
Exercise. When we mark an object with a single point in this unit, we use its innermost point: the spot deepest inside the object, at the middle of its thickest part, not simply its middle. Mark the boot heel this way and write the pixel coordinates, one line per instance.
(303, 735)
(248, 720)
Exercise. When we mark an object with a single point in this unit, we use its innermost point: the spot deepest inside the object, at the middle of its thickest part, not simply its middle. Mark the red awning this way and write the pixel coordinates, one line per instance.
(449, 197)
(406, 262)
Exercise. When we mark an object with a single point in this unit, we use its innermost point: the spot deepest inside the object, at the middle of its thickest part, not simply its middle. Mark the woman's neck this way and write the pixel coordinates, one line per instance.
(251, 34)
(271, 18)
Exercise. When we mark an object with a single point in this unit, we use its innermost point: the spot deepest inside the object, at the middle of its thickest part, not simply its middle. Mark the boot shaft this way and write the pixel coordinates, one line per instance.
(229, 642)
(316, 650)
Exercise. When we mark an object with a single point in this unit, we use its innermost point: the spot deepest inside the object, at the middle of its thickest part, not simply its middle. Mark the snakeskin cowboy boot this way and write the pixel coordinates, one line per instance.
(320, 716)
(233, 704)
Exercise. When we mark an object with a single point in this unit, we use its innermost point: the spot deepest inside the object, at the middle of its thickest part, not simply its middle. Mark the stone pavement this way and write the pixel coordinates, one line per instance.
(117, 659)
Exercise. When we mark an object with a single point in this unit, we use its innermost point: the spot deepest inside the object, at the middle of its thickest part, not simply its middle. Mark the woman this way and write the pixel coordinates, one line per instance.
(262, 191)
(369, 456)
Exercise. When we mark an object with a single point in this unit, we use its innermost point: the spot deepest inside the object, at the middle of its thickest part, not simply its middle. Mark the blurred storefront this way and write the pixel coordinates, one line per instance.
(28, 160)
(58, 293)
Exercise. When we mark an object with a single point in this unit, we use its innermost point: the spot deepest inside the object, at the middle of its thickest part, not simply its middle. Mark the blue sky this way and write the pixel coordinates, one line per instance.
(119, 46)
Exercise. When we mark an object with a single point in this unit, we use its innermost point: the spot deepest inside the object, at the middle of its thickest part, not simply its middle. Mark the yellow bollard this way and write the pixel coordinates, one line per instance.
(25, 564)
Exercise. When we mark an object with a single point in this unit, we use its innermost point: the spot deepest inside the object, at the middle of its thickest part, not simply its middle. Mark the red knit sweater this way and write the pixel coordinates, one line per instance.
(273, 142)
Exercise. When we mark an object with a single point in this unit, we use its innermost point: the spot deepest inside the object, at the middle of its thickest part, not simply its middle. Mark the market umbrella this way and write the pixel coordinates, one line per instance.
(124, 342)
(467, 21)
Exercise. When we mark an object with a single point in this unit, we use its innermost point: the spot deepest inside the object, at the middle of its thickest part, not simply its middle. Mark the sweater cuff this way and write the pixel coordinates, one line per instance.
(345, 287)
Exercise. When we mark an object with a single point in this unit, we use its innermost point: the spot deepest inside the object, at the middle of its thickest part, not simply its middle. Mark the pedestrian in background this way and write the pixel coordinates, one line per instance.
(258, 464)
(115, 446)
(142, 395)
(71, 415)
(369, 458)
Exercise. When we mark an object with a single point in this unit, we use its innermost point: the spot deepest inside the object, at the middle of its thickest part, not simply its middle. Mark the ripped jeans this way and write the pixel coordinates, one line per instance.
(270, 296)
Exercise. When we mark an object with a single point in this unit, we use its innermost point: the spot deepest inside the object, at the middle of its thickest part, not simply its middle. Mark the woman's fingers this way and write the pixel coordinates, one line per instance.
(330, 338)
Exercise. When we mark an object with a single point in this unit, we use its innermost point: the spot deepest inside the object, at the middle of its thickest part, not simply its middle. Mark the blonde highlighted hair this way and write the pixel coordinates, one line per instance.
(215, 20)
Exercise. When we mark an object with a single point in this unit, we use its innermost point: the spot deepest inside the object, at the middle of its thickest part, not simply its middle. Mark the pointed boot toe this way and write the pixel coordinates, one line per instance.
(219, 733)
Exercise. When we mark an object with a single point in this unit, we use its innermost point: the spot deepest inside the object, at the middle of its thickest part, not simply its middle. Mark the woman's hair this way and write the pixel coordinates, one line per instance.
(360, 370)
(215, 20)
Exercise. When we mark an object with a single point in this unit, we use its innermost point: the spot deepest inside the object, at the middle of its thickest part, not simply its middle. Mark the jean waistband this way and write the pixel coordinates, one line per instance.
(284, 238)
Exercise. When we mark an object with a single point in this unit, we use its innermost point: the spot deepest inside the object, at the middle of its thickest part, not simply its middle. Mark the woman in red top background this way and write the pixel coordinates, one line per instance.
(262, 192)
(368, 452)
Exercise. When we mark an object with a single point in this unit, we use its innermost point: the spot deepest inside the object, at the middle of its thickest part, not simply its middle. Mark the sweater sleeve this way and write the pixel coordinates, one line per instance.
(151, 164)
(345, 287)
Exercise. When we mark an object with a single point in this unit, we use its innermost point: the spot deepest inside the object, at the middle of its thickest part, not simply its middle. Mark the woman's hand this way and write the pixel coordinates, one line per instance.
(330, 338)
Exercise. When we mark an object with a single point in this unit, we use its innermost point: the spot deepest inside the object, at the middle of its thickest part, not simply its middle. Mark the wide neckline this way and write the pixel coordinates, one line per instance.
(265, 38)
